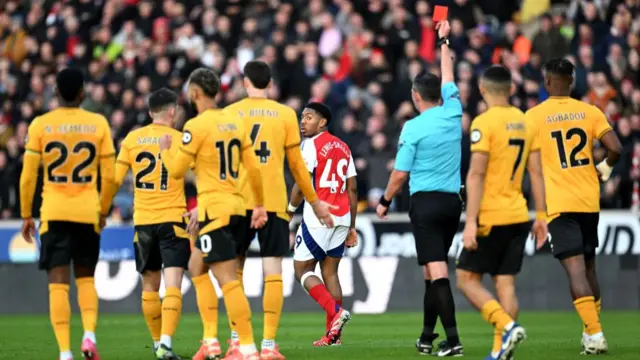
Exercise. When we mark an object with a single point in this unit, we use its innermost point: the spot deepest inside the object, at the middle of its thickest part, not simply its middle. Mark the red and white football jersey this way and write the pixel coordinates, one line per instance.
(329, 161)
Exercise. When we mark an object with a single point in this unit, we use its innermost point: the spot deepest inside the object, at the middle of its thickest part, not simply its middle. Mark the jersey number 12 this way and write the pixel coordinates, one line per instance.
(332, 183)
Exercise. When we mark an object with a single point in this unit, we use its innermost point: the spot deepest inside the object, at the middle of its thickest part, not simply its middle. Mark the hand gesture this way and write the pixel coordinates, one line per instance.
(443, 29)
(192, 226)
(28, 230)
(352, 238)
(469, 236)
(259, 217)
(165, 142)
(321, 209)
(540, 232)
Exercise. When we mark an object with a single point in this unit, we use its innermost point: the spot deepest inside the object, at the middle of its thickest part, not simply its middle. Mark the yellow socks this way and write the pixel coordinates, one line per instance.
(495, 315)
(239, 311)
(60, 314)
(272, 301)
(497, 340)
(207, 305)
(88, 303)
(587, 310)
(240, 277)
(171, 310)
(152, 311)
(599, 306)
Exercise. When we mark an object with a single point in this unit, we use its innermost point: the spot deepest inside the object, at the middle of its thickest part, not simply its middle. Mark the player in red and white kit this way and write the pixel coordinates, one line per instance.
(333, 173)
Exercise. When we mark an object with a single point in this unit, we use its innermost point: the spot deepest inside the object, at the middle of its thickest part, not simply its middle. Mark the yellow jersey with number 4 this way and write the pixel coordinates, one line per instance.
(158, 198)
(565, 130)
(501, 133)
(273, 128)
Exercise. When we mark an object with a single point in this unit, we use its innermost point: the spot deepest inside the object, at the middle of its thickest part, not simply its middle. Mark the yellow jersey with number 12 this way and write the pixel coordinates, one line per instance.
(565, 130)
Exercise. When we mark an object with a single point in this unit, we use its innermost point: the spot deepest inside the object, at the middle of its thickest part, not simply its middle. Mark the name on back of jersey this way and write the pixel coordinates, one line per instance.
(333, 145)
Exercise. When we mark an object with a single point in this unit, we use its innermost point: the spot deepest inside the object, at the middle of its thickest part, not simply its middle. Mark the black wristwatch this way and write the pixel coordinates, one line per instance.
(443, 41)
(384, 202)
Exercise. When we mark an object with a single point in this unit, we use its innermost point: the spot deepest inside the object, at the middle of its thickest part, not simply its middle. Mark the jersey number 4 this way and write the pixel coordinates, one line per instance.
(151, 167)
(63, 152)
(573, 162)
(332, 184)
(263, 151)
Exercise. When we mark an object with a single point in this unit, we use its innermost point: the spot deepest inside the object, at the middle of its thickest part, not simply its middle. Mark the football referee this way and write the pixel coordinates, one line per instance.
(429, 151)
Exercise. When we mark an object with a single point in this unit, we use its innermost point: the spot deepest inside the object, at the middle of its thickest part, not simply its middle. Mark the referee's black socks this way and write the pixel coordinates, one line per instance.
(429, 313)
(446, 309)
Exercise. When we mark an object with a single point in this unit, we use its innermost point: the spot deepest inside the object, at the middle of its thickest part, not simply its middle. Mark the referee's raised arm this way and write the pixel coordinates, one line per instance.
(429, 154)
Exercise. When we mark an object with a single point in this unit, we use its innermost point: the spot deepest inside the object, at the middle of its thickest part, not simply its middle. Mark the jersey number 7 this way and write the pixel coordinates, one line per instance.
(333, 184)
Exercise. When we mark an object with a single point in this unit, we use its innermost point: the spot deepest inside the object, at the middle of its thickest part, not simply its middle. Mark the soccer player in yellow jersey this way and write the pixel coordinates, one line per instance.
(566, 129)
(497, 225)
(71, 144)
(217, 144)
(275, 133)
(160, 230)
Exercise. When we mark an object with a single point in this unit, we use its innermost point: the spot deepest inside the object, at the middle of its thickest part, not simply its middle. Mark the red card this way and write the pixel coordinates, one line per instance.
(440, 13)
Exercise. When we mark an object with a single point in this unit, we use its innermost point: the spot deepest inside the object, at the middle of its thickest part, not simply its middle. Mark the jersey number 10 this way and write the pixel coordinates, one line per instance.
(333, 184)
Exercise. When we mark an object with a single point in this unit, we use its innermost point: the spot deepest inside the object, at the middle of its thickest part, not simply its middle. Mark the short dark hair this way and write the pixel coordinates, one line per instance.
(162, 98)
(258, 72)
(322, 109)
(427, 85)
(497, 79)
(560, 67)
(207, 80)
(70, 83)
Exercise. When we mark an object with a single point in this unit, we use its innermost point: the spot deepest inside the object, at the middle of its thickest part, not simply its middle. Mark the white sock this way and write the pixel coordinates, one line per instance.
(156, 344)
(509, 326)
(66, 355)
(91, 336)
(268, 344)
(234, 336)
(165, 340)
(248, 349)
(596, 336)
(494, 354)
(210, 340)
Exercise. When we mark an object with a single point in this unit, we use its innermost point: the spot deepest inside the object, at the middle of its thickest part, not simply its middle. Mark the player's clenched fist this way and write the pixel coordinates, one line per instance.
(259, 217)
(352, 238)
(443, 28)
(165, 142)
(28, 230)
(469, 236)
(321, 209)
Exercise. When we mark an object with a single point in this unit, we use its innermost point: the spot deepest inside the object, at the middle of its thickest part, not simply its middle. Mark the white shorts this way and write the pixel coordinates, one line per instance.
(319, 242)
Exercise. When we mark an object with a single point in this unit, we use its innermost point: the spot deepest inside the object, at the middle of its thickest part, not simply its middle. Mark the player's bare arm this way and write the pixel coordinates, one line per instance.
(474, 186)
(396, 181)
(303, 180)
(259, 216)
(295, 201)
(539, 229)
(28, 180)
(352, 191)
(446, 59)
(612, 143)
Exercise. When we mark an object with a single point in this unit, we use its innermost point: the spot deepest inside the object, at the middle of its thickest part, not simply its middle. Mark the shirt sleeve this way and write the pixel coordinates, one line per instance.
(292, 130)
(179, 162)
(309, 155)
(106, 148)
(33, 143)
(533, 131)
(480, 136)
(123, 155)
(351, 168)
(601, 125)
(406, 151)
(192, 139)
(451, 99)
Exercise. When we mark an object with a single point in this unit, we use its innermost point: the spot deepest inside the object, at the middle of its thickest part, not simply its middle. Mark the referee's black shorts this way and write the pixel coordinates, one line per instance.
(435, 217)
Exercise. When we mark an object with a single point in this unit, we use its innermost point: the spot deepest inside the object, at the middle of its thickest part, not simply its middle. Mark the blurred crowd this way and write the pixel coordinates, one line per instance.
(357, 56)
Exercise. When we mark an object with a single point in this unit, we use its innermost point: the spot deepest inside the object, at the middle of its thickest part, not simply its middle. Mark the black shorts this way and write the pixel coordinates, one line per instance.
(435, 217)
(572, 234)
(220, 244)
(498, 253)
(273, 237)
(159, 244)
(62, 242)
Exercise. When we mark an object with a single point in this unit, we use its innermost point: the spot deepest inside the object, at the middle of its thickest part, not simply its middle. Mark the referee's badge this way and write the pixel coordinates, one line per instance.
(476, 135)
(186, 137)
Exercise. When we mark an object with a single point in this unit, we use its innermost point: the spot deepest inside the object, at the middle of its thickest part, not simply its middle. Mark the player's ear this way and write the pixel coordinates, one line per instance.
(81, 95)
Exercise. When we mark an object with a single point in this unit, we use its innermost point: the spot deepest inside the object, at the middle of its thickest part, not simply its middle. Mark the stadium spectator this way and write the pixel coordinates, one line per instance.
(343, 53)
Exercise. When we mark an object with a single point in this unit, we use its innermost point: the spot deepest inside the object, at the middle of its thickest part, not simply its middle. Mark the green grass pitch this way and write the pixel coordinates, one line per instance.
(551, 336)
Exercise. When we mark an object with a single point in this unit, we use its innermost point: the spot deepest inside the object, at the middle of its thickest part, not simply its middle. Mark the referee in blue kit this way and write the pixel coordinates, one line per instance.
(429, 151)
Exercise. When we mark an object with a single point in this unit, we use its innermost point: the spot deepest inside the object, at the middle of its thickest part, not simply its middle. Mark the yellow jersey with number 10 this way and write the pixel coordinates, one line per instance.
(565, 130)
